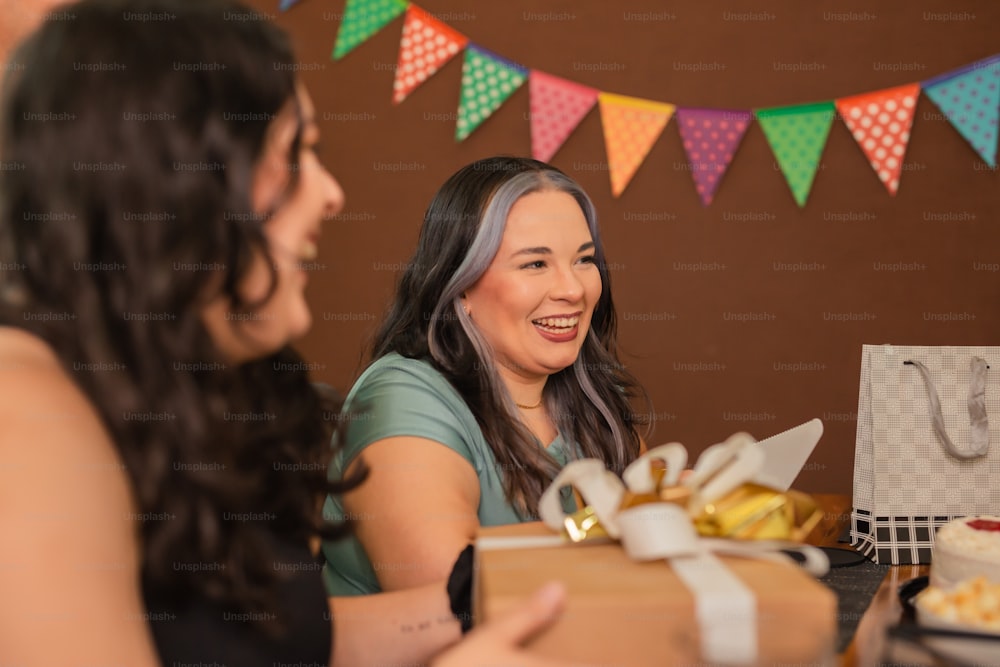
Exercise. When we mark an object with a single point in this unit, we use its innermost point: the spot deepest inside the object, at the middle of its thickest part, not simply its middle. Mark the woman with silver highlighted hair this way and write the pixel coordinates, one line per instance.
(496, 364)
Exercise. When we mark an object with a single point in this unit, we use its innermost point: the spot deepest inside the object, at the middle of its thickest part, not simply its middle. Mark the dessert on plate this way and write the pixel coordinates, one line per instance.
(964, 549)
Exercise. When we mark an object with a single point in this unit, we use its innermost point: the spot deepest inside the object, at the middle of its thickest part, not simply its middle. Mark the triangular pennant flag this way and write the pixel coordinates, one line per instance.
(970, 99)
(797, 135)
(880, 122)
(285, 4)
(427, 44)
(557, 107)
(487, 81)
(362, 19)
(631, 127)
(711, 137)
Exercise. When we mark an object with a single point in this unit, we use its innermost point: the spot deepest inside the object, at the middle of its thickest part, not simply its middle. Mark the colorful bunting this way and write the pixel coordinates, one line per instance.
(797, 135)
(487, 81)
(427, 44)
(557, 107)
(631, 127)
(970, 98)
(711, 137)
(880, 122)
(362, 19)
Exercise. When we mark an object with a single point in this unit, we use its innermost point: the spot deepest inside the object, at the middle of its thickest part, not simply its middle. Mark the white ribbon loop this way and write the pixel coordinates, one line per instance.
(599, 487)
(639, 475)
(723, 467)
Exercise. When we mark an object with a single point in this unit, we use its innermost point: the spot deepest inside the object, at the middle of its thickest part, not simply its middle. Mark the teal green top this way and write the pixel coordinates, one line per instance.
(398, 396)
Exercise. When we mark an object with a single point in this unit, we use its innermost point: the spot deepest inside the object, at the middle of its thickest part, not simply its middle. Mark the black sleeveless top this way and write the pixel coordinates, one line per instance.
(204, 633)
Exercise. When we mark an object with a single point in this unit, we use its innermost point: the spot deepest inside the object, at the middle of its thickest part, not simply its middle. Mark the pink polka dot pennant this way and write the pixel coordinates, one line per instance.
(557, 107)
(427, 44)
(711, 138)
(880, 122)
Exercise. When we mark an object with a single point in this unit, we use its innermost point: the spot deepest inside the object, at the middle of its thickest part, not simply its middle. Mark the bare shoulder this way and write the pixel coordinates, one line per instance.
(41, 400)
(69, 544)
(51, 435)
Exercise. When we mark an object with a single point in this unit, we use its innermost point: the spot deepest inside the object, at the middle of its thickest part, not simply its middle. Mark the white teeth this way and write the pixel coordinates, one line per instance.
(557, 322)
(309, 251)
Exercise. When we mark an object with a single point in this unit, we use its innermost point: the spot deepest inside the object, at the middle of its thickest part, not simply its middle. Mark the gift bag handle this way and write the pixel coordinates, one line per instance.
(978, 420)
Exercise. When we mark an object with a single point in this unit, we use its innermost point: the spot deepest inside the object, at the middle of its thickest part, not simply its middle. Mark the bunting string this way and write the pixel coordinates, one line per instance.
(880, 121)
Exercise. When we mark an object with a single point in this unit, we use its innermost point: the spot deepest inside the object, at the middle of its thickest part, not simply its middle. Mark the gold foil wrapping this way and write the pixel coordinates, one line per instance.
(583, 525)
(754, 512)
(748, 512)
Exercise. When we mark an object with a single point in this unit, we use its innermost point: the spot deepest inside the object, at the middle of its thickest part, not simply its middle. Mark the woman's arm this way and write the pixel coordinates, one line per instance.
(410, 627)
(416, 511)
(399, 628)
(69, 557)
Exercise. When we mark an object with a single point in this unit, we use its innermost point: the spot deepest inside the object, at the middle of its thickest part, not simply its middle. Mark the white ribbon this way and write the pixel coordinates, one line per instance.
(725, 607)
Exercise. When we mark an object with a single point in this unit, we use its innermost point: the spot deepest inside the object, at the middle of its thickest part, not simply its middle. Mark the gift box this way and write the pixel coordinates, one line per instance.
(623, 612)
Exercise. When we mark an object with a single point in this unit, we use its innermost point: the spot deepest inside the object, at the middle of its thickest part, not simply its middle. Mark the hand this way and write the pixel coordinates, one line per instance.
(499, 642)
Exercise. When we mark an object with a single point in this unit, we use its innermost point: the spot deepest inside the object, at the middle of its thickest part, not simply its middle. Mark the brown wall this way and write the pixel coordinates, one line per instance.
(708, 374)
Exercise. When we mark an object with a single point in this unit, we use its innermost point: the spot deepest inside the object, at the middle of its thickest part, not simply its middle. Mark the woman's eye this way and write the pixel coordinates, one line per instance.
(538, 264)
(588, 259)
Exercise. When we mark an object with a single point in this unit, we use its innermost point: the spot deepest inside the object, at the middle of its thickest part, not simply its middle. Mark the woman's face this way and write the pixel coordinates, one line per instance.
(534, 302)
(292, 233)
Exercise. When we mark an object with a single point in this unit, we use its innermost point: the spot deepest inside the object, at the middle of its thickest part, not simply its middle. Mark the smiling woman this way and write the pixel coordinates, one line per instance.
(162, 448)
(496, 364)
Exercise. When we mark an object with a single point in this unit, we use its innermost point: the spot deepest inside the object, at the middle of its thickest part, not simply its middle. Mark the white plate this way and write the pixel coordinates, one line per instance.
(971, 651)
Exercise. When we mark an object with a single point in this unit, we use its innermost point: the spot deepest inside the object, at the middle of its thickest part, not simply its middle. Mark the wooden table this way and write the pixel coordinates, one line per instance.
(871, 645)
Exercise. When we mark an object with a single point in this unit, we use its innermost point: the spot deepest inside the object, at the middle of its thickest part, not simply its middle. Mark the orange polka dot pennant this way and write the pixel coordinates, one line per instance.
(557, 107)
(427, 44)
(880, 122)
(711, 137)
(631, 127)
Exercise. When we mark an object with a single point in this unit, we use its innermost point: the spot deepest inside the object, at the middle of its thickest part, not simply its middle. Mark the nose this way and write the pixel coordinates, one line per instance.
(333, 195)
(567, 285)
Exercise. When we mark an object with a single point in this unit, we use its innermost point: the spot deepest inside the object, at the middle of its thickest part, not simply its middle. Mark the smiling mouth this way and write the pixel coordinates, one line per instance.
(557, 325)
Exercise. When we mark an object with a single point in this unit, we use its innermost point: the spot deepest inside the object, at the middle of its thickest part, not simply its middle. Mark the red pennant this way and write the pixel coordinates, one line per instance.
(880, 122)
(426, 45)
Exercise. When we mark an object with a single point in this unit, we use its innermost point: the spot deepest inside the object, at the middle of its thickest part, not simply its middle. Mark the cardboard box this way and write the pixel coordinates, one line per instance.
(624, 613)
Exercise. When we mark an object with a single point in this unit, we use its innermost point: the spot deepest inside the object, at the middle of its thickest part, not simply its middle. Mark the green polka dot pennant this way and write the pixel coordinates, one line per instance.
(362, 19)
(487, 81)
(797, 135)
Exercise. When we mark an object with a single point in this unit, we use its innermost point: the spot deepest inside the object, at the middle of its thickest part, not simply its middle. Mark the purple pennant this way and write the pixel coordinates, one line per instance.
(711, 138)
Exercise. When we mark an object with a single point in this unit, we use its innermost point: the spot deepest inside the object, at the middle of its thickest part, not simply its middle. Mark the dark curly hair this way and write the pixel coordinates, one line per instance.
(132, 137)
(590, 401)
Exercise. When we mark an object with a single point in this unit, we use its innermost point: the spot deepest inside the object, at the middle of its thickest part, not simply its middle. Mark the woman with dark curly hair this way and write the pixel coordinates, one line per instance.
(162, 449)
(496, 364)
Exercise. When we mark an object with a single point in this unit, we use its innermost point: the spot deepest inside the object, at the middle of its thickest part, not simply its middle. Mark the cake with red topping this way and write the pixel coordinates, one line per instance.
(966, 548)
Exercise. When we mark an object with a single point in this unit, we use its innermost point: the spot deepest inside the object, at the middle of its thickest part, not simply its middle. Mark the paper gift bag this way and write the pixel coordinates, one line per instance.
(927, 448)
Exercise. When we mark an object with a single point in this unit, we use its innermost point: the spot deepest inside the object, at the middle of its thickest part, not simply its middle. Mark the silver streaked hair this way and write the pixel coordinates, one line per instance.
(484, 247)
